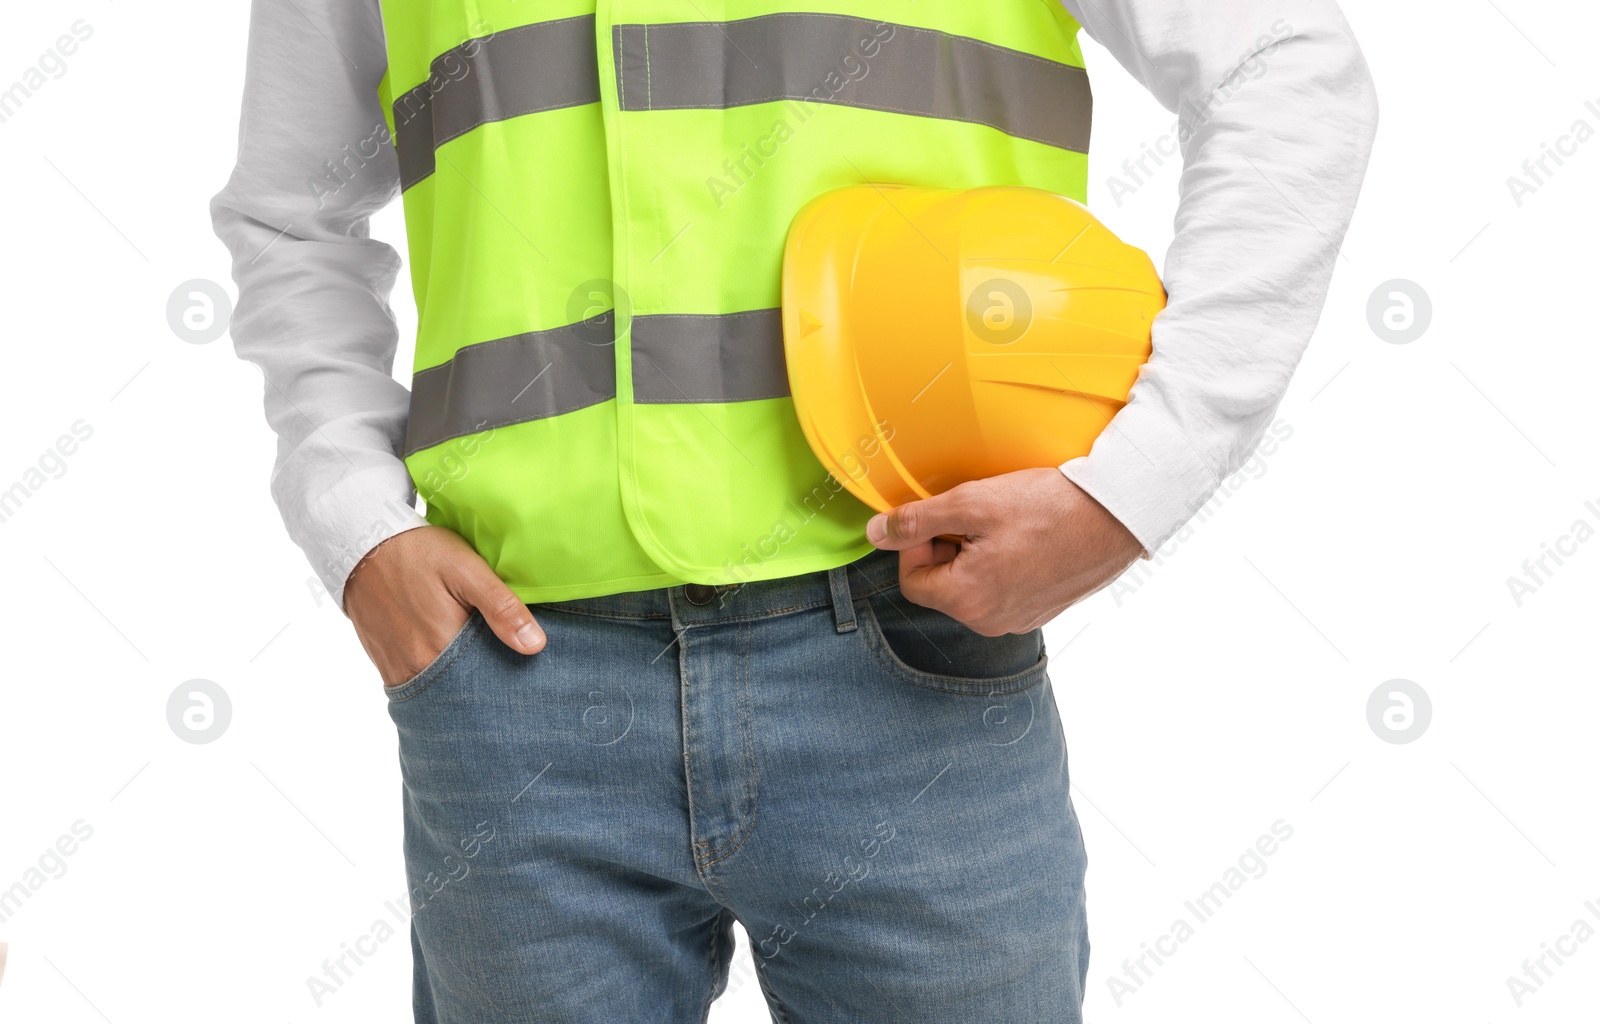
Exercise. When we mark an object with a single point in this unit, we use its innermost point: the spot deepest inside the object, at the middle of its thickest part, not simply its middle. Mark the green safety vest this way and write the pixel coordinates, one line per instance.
(597, 198)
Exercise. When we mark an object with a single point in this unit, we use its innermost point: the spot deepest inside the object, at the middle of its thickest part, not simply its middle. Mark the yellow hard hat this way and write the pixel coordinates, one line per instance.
(935, 336)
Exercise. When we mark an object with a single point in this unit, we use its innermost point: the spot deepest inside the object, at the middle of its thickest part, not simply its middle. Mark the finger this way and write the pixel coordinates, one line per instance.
(927, 576)
(502, 609)
(934, 552)
(918, 522)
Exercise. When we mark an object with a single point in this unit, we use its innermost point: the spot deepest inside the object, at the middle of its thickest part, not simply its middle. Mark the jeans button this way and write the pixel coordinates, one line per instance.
(699, 593)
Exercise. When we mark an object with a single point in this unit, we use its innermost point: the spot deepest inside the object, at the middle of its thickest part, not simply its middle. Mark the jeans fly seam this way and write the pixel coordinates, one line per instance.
(683, 715)
(738, 840)
(752, 788)
(747, 819)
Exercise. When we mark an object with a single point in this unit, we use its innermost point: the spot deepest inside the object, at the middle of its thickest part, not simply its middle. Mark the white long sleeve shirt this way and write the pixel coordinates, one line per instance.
(1277, 113)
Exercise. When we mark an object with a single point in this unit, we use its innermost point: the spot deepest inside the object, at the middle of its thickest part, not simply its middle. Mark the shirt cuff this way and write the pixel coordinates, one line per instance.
(351, 518)
(1146, 473)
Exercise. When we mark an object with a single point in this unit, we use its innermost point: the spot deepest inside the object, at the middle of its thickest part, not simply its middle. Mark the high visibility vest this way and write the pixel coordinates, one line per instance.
(596, 201)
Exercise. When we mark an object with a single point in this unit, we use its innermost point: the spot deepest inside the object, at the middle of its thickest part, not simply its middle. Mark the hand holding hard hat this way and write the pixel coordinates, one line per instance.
(938, 336)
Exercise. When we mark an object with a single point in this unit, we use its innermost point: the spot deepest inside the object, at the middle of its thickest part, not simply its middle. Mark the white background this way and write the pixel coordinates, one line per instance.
(1227, 690)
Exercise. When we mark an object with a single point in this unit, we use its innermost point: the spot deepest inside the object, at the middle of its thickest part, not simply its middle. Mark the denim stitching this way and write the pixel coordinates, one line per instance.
(715, 887)
(751, 785)
(687, 680)
(711, 965)
(957, 685)
(432, 674)
(573, 610)
(752, 616)
(739, 837)
(780, 1012)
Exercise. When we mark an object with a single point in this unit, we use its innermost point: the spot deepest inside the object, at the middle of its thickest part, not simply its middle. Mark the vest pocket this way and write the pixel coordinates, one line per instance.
(928, 648)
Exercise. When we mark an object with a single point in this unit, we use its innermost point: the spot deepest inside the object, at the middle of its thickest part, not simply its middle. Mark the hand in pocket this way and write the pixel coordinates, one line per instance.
(414, 592)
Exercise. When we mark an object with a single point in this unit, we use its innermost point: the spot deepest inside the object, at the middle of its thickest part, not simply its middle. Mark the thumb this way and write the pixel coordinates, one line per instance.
(918, 522)
(475, 585)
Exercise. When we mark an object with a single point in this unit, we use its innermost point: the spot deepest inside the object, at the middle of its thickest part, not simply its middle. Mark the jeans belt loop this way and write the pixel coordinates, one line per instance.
(844, 609)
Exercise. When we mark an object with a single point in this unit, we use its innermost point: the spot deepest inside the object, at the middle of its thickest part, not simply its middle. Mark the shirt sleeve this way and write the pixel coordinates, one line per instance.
(1277, 113)
(314, 163)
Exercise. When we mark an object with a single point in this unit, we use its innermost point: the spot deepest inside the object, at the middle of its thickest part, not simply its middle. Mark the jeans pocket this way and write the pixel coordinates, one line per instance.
(926, 647)
(459, 644)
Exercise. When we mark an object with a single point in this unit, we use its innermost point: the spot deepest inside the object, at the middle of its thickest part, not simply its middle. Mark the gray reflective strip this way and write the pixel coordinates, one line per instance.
(513, 380)
(824, 58)
(736, 357)
(513, 72)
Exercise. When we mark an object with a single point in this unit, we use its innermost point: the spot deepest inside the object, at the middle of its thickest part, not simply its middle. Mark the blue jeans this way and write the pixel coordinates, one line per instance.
(876, 793)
